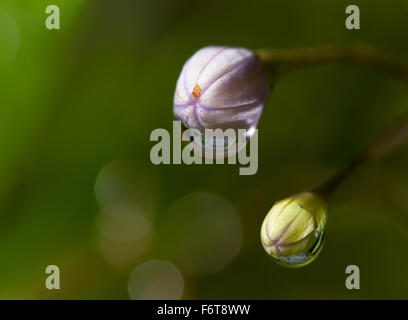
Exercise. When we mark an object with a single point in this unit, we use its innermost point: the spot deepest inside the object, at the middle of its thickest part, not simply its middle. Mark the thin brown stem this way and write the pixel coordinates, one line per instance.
(327, 187)
(280, 62)
(392, 138)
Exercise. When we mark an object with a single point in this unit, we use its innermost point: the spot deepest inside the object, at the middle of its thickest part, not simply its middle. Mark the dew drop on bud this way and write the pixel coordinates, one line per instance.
(293, 230)
(304, 258)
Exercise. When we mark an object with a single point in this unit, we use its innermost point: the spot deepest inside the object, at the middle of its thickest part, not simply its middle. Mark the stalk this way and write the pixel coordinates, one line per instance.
(392, 138)
(282, 61)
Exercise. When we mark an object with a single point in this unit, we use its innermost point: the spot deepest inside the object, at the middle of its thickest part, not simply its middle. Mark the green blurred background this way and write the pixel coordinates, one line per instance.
(78, 190)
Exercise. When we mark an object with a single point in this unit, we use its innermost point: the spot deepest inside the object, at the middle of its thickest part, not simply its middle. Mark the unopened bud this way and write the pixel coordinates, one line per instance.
(293, 230)
(221, 88)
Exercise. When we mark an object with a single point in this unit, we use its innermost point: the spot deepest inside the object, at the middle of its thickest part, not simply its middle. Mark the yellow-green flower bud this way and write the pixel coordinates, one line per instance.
(292, 232)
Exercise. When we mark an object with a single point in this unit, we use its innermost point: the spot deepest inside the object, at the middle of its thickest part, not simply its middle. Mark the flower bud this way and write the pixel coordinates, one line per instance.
(292, 232)
(221, 88)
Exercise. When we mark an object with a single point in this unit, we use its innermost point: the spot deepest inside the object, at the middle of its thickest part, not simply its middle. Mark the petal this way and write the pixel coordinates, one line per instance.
(245, 84)
(188, 115)
(220, 64)
(196, 64)
(180, 95)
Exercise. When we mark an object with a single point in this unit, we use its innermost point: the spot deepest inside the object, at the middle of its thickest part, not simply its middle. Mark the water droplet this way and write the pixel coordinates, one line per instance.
(220, 143)
(293, 230)
(304, 258)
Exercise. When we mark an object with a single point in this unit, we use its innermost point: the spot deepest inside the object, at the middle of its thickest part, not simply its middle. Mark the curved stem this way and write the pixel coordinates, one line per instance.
(280, 62)
(393, 137)
(327, 187)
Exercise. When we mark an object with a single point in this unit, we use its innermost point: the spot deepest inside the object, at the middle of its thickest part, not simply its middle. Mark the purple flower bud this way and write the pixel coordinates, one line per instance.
(221, 87)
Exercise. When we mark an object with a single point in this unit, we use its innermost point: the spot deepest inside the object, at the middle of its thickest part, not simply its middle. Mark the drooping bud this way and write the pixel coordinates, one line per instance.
(293, 230)
(221, 88)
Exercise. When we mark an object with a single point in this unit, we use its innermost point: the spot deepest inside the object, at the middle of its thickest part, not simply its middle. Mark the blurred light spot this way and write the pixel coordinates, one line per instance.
(125, 237)
(127, 196)
(9, 39)
(201, 232)
(124, 184)
(156, 280)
